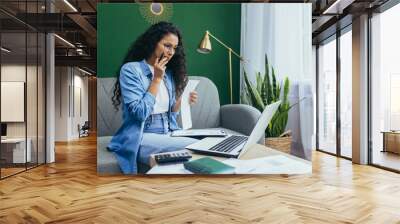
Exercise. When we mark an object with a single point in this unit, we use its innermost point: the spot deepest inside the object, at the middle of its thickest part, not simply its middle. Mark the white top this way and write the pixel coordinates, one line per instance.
(162, 98)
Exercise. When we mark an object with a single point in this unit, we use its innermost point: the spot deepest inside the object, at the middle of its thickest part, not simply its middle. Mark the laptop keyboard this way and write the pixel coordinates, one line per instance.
(229, 143)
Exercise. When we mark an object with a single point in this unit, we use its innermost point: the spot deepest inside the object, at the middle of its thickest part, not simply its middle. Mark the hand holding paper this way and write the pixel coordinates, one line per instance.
(185, 106)
(193, 97)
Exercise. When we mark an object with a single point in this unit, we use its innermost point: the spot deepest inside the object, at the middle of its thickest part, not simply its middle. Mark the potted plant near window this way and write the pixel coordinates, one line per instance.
(268, 90)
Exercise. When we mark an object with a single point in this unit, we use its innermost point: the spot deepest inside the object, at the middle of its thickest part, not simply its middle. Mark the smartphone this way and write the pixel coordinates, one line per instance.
(161, 56)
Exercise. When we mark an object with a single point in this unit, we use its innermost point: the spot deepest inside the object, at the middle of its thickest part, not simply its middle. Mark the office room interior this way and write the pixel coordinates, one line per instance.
(335, 160)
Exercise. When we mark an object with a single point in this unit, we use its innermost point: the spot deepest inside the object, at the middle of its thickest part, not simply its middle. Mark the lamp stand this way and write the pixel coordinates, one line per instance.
(206, 46)
(230, 73)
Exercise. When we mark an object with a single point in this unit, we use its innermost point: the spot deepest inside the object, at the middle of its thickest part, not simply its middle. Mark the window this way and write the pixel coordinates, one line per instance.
(385, 86)
(346, 94)
(327, 97)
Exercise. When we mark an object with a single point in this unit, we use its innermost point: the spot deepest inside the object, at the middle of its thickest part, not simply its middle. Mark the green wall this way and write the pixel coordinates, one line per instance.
(119, 24)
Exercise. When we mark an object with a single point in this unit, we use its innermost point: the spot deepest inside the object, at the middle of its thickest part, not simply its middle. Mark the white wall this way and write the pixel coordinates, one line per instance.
(33, 127)
(79, 117)
(15, 72)
(70, 83)
(61, 103)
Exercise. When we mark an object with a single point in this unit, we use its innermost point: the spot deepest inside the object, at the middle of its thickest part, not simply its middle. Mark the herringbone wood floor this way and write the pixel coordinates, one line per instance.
(69, 191)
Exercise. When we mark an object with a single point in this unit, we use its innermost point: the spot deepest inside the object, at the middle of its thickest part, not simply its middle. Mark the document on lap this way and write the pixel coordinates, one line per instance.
(185, 106)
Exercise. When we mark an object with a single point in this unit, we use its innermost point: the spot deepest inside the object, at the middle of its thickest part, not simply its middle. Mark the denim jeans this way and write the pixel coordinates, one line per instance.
(157, 139)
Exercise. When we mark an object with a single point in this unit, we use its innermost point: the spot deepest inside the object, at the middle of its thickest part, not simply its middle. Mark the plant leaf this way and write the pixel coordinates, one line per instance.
(254, 95)
(259, 82)
(286, 91)
(266, 91)
(275, 96)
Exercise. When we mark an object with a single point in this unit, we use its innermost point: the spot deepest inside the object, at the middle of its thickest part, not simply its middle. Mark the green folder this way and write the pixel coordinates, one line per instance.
(207, 165)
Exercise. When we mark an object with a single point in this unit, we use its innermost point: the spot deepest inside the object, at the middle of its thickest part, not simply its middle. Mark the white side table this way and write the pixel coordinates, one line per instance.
(18, 148)
(280, 163)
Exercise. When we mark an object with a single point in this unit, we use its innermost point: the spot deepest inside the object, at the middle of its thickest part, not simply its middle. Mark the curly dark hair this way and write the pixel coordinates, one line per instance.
(144, 46)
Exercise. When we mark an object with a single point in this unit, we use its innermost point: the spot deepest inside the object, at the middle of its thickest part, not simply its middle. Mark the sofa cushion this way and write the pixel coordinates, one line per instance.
(106, 161)
(108, 119)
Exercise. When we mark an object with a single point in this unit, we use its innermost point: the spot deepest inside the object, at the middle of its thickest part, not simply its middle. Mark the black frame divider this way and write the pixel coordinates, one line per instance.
(338, 95)
(1, 163)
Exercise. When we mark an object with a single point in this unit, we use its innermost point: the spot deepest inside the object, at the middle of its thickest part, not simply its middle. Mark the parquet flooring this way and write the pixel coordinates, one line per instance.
(70, 191)
(10, 171)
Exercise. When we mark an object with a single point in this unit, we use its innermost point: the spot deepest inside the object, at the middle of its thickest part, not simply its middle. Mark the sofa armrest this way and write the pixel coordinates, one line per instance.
(240, 118)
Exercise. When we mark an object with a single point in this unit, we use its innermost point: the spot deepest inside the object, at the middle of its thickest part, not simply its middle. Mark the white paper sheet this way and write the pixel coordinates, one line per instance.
(169, 169)
(185, 106)
(279, 164)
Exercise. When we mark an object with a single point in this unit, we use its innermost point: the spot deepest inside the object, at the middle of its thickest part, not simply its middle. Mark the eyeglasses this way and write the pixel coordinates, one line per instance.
(170, 48)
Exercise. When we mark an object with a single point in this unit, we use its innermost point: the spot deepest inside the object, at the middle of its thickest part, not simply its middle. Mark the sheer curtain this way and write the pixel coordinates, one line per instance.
(283, 32)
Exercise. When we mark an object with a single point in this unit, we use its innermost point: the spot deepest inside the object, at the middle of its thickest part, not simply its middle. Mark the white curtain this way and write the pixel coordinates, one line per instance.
(283, 32)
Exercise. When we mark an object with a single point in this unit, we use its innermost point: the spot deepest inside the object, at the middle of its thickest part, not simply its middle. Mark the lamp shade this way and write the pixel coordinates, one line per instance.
(205, 44)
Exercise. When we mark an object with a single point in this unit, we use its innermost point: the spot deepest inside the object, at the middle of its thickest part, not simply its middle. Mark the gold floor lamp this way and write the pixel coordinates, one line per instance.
(205, 48)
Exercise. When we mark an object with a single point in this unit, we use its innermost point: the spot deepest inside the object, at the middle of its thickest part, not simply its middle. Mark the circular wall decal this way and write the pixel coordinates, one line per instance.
(156, 12)
(156, 8)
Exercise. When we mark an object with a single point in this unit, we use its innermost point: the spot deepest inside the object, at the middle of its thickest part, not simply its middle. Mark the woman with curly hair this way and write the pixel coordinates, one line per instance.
(149, 86)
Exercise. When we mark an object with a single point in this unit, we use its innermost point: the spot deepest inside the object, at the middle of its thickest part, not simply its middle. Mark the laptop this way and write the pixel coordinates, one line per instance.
(233, 146)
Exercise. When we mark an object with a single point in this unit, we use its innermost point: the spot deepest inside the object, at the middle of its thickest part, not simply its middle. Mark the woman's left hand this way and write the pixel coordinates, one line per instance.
(193, 98)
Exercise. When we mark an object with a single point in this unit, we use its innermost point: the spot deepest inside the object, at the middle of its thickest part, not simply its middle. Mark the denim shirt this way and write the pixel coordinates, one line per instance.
(135, 79)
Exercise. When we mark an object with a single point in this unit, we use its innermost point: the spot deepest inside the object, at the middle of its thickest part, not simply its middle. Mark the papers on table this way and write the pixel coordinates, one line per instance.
(185, 106)
(278, 164)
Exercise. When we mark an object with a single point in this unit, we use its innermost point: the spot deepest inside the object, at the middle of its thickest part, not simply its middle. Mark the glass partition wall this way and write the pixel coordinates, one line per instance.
(335, 91)
(385, 89)
(22, 87)
(334, 75)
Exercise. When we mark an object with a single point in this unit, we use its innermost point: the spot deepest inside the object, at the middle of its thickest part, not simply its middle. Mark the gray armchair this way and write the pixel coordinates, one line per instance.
(207, 113)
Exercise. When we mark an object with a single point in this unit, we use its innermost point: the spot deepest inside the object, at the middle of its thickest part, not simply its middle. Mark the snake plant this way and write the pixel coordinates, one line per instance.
(267, 90)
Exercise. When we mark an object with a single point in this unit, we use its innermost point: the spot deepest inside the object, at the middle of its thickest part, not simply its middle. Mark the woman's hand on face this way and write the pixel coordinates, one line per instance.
(159, 68)
(193, 98)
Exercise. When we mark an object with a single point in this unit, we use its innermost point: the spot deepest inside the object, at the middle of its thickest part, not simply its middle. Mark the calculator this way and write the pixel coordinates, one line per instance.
(172, 157)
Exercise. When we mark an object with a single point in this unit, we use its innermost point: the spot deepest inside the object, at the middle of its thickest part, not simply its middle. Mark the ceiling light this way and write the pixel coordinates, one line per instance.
(5, 50)
(70, 5)
(337, 7)
(64, 40)
(84, 71)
